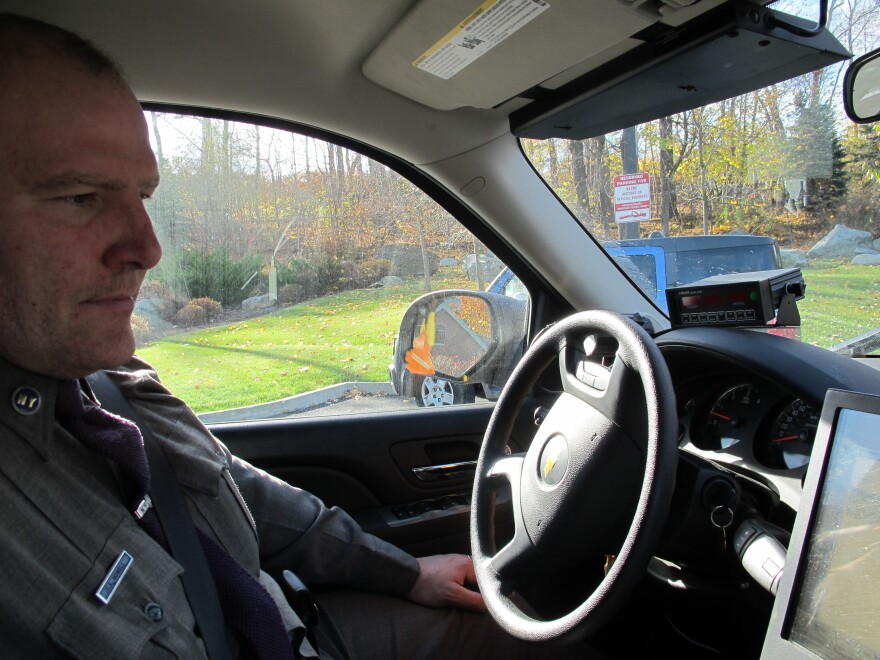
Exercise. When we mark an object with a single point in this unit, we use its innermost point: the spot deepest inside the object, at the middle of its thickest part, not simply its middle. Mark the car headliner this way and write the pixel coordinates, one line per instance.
(294, 60)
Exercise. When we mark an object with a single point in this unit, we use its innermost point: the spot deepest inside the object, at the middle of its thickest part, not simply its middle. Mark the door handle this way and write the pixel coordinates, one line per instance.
(445, 471)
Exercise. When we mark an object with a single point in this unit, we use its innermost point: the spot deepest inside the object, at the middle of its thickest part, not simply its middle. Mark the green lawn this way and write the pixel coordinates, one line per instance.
(842, 301)
(337, 338)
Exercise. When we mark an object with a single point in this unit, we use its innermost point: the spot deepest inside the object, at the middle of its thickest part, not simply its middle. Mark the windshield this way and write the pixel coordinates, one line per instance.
(775, 178)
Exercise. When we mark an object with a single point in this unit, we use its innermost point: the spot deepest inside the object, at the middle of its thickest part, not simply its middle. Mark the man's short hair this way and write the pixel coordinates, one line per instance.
(22, 37)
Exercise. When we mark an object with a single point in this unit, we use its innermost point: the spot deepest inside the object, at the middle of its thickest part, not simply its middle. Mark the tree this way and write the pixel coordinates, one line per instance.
(579, 176)
(602, 171)
(669, 139)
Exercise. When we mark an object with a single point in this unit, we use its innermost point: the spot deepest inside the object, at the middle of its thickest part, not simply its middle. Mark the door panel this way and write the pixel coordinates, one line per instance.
(363, 464)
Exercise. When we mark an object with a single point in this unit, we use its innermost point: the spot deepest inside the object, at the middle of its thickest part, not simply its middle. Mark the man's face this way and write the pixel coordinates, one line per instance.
(75, 239)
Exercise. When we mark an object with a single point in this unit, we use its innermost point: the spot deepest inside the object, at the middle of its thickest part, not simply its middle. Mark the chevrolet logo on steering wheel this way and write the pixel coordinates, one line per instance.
(553, 463)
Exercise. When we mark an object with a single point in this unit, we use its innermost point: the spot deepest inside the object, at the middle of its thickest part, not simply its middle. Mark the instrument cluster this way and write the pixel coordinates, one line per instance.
(751, 419)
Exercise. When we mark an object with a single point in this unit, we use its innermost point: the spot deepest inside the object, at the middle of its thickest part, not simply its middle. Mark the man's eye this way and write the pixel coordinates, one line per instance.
(81, 199)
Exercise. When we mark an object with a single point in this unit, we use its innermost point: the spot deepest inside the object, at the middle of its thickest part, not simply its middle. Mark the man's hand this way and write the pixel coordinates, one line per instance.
(442, 580)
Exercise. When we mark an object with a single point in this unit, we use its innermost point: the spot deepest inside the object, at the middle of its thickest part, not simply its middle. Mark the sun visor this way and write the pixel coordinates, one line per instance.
(731, 50)
(459, 53)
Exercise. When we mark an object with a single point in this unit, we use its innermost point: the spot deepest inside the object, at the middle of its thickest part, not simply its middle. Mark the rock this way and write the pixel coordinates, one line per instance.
(406, 260)
(872, 259)
(149, 309)
(257, 302)
(841, 242)
(445, 262)
(389, 280)
(793, 258)
(490, 266)
(146, 307)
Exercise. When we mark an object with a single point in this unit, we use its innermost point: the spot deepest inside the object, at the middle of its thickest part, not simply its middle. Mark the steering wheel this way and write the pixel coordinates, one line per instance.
(596, 480)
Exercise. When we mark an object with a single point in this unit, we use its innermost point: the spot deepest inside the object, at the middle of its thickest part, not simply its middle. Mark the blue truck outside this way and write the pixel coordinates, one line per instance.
(657, 263)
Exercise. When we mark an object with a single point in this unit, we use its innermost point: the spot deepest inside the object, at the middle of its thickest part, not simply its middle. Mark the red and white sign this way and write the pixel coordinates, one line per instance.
(632, 197)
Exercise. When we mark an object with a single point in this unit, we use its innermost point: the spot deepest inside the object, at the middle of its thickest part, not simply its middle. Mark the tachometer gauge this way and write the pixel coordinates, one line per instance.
(732, 416)
(791, 438)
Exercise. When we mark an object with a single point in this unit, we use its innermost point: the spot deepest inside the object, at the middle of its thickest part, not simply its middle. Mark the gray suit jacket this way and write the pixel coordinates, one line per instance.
(63, 526)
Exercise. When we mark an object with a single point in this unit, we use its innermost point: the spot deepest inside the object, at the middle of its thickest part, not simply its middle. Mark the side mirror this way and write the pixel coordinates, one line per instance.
(453, 342)
(861, 88)
(451, 335)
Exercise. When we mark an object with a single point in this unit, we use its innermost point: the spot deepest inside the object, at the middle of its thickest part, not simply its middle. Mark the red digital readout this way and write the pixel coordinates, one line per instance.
(716, 300)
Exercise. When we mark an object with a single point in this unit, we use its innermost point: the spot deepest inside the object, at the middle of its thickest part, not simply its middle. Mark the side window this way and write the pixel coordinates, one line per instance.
(301, 278)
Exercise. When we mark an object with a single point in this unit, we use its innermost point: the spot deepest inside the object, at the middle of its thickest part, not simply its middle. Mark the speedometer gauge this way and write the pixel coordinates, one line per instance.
(731, 417)
(791, 437)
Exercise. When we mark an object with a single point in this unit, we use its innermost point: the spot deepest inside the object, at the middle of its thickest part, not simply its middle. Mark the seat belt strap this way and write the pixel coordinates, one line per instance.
(180, 531)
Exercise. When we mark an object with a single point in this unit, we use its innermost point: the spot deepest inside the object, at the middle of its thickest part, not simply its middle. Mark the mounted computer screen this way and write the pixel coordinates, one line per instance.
(828, 605)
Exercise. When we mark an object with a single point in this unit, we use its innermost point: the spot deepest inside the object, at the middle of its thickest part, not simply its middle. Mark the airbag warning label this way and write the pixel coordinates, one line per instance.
(486, 27)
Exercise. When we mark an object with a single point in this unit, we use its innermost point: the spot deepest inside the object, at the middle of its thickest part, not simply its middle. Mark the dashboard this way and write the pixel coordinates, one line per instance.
(751, 401)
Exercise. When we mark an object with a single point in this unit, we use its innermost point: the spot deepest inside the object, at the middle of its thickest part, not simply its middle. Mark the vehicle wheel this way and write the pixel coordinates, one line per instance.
(442, 392)
(597, 480)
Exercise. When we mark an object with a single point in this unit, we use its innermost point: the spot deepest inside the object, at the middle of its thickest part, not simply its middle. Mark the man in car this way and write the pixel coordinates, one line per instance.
(75, 168)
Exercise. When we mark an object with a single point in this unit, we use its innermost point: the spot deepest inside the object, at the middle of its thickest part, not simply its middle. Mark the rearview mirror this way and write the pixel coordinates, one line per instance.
(861, 89)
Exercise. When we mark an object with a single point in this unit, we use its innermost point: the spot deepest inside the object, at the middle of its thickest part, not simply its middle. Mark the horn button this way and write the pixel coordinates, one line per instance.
(576, 459)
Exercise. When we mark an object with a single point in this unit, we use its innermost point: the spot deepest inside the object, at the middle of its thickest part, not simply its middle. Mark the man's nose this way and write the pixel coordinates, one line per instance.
(136, 243)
